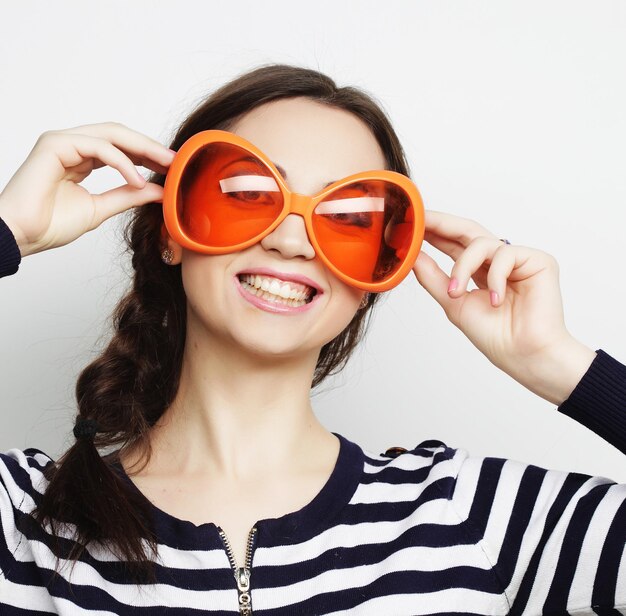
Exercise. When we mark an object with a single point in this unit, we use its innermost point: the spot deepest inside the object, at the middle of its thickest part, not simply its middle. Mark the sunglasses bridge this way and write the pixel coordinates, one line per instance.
(299, 204)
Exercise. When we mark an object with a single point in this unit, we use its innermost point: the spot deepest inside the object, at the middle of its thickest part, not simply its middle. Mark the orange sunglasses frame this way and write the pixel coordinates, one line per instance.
(293, 203)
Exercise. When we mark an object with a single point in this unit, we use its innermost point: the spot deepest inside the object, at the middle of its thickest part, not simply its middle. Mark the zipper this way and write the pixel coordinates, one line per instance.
(242, 574)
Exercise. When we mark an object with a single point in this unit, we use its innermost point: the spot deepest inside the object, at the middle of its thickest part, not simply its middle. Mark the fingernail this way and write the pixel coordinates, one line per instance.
(173, 152)
(494, 298)
(454, 283)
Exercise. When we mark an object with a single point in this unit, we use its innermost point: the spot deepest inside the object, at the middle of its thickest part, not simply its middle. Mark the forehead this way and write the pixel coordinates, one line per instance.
(313, 142)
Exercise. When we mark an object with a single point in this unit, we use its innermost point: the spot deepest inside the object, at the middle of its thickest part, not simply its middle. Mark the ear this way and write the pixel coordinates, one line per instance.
(168, 242)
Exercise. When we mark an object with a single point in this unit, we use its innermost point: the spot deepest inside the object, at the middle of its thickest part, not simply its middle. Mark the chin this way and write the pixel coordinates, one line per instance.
(277, 349)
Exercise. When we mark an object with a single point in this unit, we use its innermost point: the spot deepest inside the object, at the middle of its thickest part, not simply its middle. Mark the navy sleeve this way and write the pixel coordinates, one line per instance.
(598, 402)
(10, 256)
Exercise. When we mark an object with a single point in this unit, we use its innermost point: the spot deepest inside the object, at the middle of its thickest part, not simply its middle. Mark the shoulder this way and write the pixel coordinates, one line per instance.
(404, 474)
(456, 475)
(424, 457)
(22, 477)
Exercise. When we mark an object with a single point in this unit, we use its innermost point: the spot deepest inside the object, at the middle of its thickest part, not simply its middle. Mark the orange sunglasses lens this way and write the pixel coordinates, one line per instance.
(365, 229)
(226, 196)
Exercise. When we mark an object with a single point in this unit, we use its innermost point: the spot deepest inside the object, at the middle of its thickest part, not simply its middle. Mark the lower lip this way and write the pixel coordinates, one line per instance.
(276, 307)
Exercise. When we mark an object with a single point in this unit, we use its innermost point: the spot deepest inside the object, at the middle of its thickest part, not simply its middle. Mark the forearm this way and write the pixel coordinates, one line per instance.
(598, 402)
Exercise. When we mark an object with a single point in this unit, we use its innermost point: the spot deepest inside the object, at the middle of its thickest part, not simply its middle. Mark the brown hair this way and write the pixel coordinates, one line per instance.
(129, 386)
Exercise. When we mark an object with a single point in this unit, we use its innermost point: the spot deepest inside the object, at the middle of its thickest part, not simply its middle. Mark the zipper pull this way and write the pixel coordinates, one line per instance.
(242, 577)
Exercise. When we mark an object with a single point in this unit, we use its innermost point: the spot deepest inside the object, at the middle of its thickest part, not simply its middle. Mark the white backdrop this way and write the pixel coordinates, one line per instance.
(512, 113)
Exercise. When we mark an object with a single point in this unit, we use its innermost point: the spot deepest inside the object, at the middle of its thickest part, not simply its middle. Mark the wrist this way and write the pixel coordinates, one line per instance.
(555, 374)
(20, 240)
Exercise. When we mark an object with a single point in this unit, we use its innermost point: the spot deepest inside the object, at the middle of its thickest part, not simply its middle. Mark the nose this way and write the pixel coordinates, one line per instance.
(290, 239)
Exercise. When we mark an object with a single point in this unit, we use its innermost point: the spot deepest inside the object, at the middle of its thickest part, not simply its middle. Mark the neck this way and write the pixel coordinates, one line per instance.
(238, 415)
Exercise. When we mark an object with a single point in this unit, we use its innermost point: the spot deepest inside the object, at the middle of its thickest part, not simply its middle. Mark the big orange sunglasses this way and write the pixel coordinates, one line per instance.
(222, 194)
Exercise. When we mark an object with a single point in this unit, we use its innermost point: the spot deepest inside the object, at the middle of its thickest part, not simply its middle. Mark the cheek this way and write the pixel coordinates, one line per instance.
(203, 281)
(343, 305)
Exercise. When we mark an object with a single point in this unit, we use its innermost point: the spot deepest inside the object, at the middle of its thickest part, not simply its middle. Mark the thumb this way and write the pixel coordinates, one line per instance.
(433, 279)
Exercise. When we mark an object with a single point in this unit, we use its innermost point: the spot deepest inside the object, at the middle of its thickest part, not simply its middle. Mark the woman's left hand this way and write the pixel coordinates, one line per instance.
(515, 316)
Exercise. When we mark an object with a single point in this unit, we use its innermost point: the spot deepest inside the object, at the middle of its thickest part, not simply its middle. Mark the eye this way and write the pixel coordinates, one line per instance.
(250, 188)
(356, 211)
(249, 183)
(360, 219)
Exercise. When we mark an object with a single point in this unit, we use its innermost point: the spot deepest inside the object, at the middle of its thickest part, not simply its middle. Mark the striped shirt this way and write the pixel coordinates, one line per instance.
(432, 530)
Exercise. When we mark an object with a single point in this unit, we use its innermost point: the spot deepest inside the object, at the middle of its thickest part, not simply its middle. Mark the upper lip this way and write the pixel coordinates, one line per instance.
(286, 276)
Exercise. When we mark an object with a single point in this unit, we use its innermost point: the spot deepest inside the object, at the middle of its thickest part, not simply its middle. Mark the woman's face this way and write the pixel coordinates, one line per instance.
(312, 145)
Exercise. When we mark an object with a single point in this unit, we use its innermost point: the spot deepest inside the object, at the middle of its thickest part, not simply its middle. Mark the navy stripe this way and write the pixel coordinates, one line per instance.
(605, 583)
(569, 488)
(488, 479)
(523, 506)
(572, 545)
(9, 610)
(402, 582)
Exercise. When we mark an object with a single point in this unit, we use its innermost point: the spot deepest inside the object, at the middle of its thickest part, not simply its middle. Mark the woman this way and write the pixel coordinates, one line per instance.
(220, 466)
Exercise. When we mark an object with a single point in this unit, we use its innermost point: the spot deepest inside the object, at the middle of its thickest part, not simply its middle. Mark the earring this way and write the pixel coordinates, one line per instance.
(364, 301)
(167, 256)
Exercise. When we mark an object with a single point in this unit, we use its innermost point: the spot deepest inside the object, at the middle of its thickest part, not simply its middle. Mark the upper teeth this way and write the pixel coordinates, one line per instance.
(277, 287)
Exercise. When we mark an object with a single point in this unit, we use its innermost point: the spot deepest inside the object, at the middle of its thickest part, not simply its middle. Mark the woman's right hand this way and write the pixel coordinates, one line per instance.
(43, 203)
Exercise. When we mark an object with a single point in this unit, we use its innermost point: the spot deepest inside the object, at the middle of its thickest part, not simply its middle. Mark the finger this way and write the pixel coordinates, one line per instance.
(134, 144)
(138, 162)
(514, 264)
(148, 164)
(502, 264)
(454, 250)
(451, 248)
(72, 152)
(450, 227)
(122, 198)
(479, 252)
(433, 279)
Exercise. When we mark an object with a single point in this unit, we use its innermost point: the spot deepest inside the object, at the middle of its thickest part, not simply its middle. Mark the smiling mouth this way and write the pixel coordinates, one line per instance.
(278, 291)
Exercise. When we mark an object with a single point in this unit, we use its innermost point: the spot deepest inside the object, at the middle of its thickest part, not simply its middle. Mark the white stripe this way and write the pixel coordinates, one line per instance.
(467, 472)
(25, 597)
(351, 205)
(192, 560)
(38, 598)
(503, 501)
(422, 558)
(595, 537)
(405, 462)
(432, 602)
(146, 595)
(171, 558)
(249, 182)
(81, 573)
